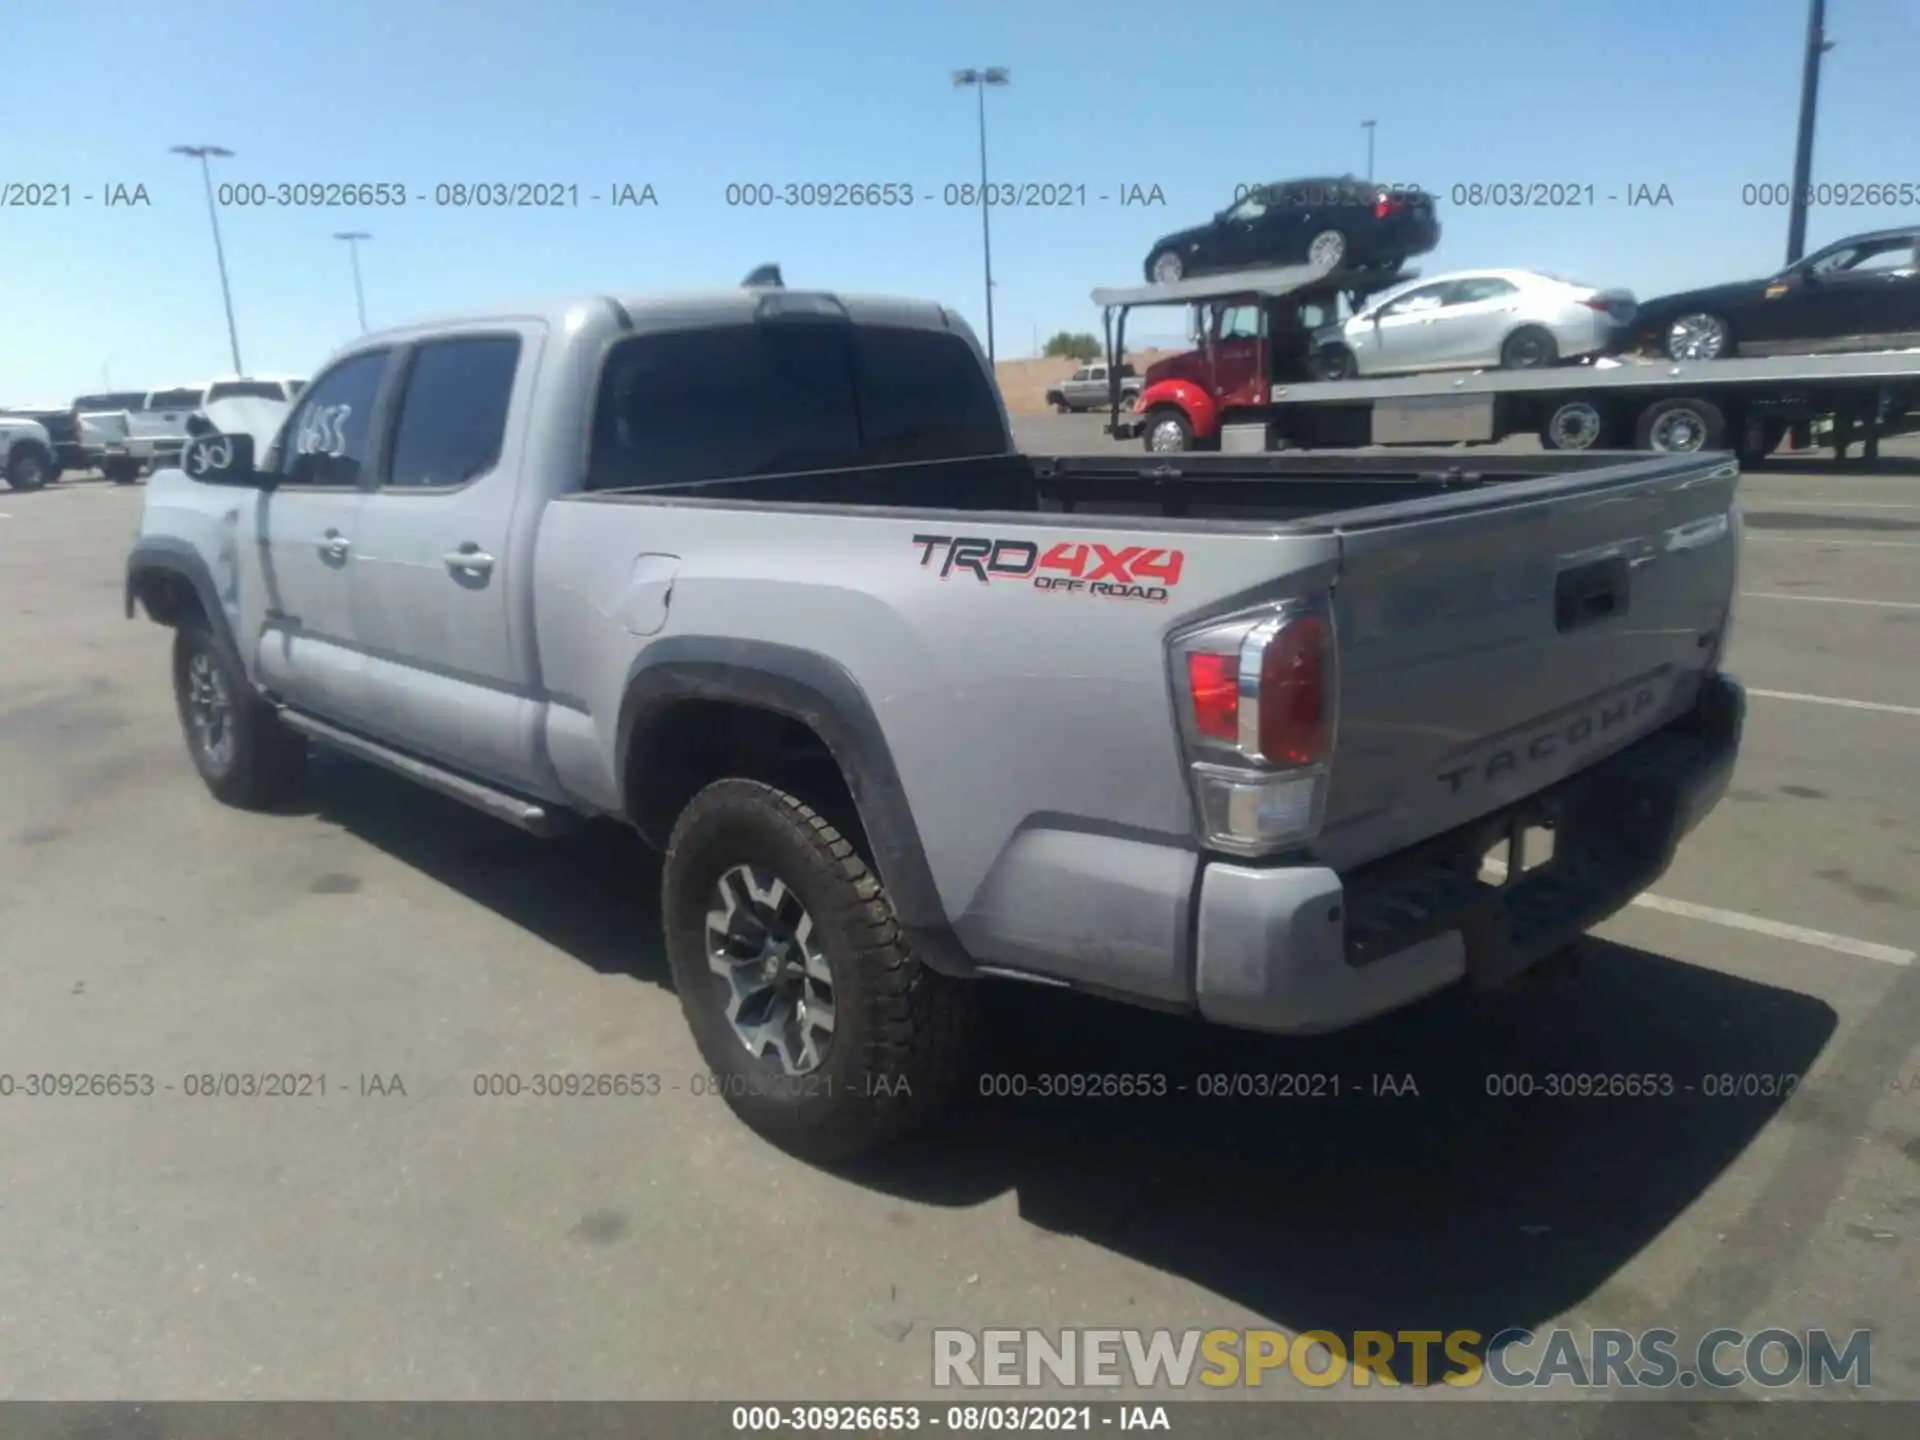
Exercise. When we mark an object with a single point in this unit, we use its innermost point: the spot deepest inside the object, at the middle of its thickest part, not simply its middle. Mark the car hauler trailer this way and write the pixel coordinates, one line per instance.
(1242, 393)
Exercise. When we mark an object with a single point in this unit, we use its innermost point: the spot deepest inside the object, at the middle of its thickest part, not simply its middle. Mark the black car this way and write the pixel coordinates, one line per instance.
(1861, 293)
(1338, 223)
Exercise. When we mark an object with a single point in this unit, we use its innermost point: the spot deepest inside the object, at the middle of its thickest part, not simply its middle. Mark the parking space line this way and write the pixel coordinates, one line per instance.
(1779, 930)
(1878, 705)
(1760, 925)
(1829, 600)
(1836, 504)
(1753, 539)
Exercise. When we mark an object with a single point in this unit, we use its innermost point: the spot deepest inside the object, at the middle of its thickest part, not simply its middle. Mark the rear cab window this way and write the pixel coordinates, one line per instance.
(773, 397)
(246, 390)
(183, 399)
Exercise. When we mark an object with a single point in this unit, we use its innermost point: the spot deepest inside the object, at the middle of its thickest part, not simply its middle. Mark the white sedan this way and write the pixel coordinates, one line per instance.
(1474, 319)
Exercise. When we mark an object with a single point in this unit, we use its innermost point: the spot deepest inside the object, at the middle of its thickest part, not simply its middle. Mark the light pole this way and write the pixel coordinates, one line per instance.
(203, 153)
(1367, 125)
(980, 80)
(1817, 45)
(353, 239)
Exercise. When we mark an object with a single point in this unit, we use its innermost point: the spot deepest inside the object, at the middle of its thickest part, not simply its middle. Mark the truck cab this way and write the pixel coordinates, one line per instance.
(1249, 331)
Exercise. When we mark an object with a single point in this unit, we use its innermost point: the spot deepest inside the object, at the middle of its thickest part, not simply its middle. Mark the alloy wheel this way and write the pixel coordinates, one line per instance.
(761, 942)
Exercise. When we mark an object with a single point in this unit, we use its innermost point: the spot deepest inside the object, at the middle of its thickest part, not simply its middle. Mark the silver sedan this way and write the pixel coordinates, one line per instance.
(1474, 319)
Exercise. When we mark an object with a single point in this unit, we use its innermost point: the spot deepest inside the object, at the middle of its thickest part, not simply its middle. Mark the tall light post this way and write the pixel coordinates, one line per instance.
(353, 239)
(203, 153)
(1817, 45)
(1368, 125)
(980, 80)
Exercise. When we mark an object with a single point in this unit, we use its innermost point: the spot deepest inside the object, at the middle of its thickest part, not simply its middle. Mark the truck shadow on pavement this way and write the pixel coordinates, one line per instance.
(1389, 1178)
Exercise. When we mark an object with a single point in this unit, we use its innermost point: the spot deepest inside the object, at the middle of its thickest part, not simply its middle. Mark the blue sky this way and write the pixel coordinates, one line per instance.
(1696, 95)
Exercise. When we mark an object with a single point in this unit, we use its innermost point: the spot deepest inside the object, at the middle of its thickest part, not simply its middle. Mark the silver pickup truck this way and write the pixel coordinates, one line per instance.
(1089, 388)
(761, 574)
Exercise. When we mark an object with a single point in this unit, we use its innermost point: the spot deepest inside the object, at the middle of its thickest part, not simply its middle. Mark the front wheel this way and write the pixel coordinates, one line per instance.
(1164, 267)
(824, 1032)
(1335, 362)
(1166, 432)
(244, 754)
(1700, 337)
(28, 468)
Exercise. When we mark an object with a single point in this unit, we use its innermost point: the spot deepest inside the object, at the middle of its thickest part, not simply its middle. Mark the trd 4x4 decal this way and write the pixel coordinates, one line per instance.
(1072, 567)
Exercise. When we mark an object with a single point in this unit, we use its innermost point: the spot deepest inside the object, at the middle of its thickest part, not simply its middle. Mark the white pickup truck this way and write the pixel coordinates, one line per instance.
(761, 574)
(152, 433)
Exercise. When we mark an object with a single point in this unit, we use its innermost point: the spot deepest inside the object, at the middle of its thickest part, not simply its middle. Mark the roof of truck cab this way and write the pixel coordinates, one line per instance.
(673, 309)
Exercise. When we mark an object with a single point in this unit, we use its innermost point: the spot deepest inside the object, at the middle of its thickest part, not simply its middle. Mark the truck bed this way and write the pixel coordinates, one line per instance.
(1483, 607)
(1331, 488)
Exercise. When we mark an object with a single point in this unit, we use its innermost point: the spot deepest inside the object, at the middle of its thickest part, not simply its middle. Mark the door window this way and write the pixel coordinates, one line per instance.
(1416, 302)
(453, 413)
(328, 439)
(1240, 322)
(1865, 257)
(1486, 287)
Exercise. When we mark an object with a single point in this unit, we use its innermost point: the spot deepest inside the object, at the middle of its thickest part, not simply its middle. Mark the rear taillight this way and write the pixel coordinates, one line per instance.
(1213, 684)
(1257, 696)
(1293, 693)
(1387, 205)
(1598, 302)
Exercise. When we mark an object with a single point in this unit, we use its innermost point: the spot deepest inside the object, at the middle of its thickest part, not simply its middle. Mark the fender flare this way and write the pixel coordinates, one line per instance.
(821, 694)
(161, 556)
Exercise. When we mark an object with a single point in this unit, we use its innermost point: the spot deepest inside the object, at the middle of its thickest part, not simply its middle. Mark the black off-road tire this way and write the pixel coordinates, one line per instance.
(901, 1029)
(267, 762)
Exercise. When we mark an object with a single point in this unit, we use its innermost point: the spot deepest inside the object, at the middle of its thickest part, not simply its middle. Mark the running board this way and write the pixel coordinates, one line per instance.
(528, 815)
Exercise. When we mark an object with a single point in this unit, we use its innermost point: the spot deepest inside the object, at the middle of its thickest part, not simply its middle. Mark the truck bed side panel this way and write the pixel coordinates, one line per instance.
(1065, 695)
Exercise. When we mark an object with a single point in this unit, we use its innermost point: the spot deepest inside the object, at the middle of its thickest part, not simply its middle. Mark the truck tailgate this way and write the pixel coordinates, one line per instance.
(1493, 642)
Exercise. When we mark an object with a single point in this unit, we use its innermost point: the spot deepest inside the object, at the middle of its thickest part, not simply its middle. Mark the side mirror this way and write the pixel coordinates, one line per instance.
(223, 460)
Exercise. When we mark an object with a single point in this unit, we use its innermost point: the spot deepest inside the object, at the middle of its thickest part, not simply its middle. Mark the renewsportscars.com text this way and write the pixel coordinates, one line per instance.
(1513, 1358)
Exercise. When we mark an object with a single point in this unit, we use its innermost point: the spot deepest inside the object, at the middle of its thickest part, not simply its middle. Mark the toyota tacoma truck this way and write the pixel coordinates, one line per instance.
(761, 574)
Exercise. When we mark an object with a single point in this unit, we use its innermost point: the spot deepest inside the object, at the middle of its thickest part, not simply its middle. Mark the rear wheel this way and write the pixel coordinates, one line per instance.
(823, 1030)
(1681, 426)
(244, 754)
(121, 471)
(1164, 267)
(1529, 348)
(1327, 250)
(1166, 432)
(1577, 424)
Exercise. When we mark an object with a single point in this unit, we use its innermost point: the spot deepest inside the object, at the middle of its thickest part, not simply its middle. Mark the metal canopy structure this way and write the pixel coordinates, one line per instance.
(1269, 283)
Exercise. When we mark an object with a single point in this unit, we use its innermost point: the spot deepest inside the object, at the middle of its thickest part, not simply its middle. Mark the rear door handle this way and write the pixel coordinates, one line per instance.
(334, 546)
(470, 559)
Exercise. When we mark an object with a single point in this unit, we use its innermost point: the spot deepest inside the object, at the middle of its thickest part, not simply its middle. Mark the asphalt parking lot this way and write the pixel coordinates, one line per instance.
(402, 1237)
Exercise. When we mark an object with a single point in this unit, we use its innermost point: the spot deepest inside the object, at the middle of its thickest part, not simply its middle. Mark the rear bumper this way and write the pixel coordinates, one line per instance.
(1299, 949)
